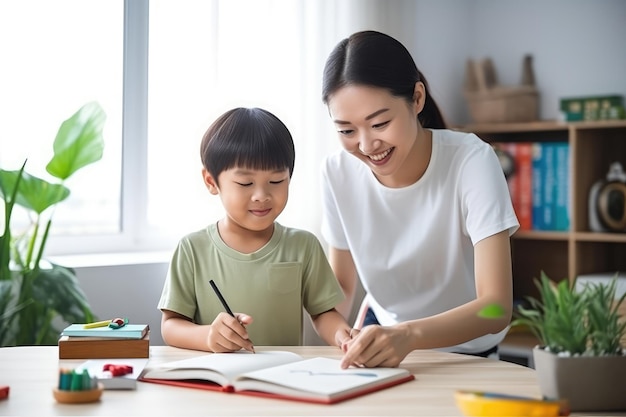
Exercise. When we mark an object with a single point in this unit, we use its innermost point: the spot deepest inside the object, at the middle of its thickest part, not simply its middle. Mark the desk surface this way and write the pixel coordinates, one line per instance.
(31, 373)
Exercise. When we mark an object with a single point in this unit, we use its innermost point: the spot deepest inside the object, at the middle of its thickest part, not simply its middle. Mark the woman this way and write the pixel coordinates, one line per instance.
(419, 213)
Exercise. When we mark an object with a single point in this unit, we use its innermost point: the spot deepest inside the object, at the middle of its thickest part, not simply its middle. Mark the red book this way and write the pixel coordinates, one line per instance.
(524, 186)
(512, 179)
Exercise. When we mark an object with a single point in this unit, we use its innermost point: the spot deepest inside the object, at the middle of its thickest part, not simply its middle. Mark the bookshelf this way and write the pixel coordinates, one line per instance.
(578, 250)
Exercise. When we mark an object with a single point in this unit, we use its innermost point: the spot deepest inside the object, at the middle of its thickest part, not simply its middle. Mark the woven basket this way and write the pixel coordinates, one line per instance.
(490, 102)
(503, 104)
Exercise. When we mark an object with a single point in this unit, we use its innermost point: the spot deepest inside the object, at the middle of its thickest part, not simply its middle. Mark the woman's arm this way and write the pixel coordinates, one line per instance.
(342, 265)
(388, 346)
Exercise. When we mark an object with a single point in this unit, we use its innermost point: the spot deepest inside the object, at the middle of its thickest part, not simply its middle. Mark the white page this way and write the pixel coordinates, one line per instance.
(228, 365)
(322, 377)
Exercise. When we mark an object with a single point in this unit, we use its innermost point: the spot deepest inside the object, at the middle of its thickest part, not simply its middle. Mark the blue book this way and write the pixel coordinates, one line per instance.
(129, 331)
(562, 187)
(537, 186)
(549, 185)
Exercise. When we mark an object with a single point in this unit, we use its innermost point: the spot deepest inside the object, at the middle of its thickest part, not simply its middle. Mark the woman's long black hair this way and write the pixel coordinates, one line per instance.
(371, 58)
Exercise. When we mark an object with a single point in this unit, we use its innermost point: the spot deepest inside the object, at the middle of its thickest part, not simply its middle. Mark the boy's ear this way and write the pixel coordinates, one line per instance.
(210, 182)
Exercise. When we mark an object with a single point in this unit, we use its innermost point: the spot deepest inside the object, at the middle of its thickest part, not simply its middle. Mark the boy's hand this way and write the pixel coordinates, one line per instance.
(345, 338)
(229, 334)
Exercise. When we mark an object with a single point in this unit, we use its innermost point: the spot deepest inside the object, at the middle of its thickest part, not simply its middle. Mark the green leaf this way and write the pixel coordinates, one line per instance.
(34, 193)
(79, 141)
(32, 299)
(578, 322)
(492, 311)
(9, 193)
(59, 290)
(7, 183)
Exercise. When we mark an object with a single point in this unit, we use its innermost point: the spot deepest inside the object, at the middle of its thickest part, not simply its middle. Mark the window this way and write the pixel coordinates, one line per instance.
(161, 85)
(57, 56)
(218, 58)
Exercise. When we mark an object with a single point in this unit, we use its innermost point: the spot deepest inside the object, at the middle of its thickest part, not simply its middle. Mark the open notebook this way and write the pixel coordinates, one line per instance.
(276, 374)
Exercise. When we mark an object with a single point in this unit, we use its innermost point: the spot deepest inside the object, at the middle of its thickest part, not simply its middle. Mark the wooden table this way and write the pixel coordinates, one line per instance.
(31, 372)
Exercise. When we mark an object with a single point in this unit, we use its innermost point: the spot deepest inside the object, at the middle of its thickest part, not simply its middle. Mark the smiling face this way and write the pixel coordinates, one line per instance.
(382, 131)
(252, 199)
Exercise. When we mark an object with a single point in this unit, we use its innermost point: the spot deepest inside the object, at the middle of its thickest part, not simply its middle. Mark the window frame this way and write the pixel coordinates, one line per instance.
(133, 206)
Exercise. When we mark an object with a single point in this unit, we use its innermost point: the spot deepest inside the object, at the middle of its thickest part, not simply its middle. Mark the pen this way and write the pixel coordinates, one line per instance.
(95, 324)
(223, 301)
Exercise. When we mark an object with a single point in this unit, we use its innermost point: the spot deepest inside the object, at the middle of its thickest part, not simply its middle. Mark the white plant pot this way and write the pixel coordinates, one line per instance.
(587, 383)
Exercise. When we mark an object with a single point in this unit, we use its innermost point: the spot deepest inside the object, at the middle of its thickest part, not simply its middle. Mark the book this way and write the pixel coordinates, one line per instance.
(129, 331)
(538, 179)
(276, 374)
(95, 367)
(562, 191)
(549, 185)
(77, 347)
(524, 164)
(509, 165)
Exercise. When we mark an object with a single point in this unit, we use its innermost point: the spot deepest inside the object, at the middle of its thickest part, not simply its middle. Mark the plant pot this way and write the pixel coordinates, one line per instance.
(587, 383)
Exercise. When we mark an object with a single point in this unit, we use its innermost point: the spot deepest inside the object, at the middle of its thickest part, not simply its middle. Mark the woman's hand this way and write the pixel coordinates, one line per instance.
(375, 346)
(229, 334)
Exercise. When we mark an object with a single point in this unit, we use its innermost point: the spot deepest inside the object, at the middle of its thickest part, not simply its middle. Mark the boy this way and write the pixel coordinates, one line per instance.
(261, 267)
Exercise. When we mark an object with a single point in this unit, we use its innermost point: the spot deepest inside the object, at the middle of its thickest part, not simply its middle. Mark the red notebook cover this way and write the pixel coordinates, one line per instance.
(211, 386)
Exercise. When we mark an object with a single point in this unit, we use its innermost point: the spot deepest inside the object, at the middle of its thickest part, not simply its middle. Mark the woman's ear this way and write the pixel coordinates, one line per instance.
(210, 182)
(419, 97)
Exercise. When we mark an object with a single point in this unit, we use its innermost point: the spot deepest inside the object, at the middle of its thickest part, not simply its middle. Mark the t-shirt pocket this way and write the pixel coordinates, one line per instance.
(285, 277)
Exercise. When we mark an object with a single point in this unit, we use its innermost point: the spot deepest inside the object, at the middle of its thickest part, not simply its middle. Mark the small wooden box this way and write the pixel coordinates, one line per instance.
(103, 347)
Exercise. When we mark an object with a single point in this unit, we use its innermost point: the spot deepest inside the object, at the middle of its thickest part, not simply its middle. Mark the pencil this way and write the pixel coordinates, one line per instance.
(224, 303)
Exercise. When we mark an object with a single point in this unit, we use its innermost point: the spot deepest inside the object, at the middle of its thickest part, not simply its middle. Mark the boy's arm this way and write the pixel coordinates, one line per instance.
(225, 334)
(343, 267)
(179, 331)
(332, 327)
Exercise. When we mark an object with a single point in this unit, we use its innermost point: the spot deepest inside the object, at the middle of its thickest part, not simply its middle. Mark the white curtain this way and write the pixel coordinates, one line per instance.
(207, 57)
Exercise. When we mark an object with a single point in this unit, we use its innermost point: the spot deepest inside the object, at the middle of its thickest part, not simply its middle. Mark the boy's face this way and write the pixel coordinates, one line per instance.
(253, 199)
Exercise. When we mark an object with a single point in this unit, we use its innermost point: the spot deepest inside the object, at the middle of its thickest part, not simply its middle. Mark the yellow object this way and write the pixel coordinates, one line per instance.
(483, 404)
(95, 324)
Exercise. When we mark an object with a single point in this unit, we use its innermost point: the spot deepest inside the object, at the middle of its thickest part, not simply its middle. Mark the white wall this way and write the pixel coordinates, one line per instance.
(126, 290)
(577, 46)
(578, 49)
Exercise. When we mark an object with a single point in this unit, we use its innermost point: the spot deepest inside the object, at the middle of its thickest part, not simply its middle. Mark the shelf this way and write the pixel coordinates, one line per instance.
(566, 254)
(564, 236)
(541, 235)
(562, 255)
(599, 237)
(541, 126)
(518, 345)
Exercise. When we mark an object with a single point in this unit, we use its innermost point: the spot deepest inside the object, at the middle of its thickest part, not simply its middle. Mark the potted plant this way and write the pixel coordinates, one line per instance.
(580, 358)
(35, 294)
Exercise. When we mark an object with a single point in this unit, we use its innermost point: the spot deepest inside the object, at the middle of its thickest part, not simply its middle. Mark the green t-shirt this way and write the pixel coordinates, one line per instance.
(272, 284)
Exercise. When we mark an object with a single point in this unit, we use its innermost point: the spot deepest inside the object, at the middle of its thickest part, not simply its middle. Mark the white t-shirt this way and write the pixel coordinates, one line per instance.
(413, 247)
